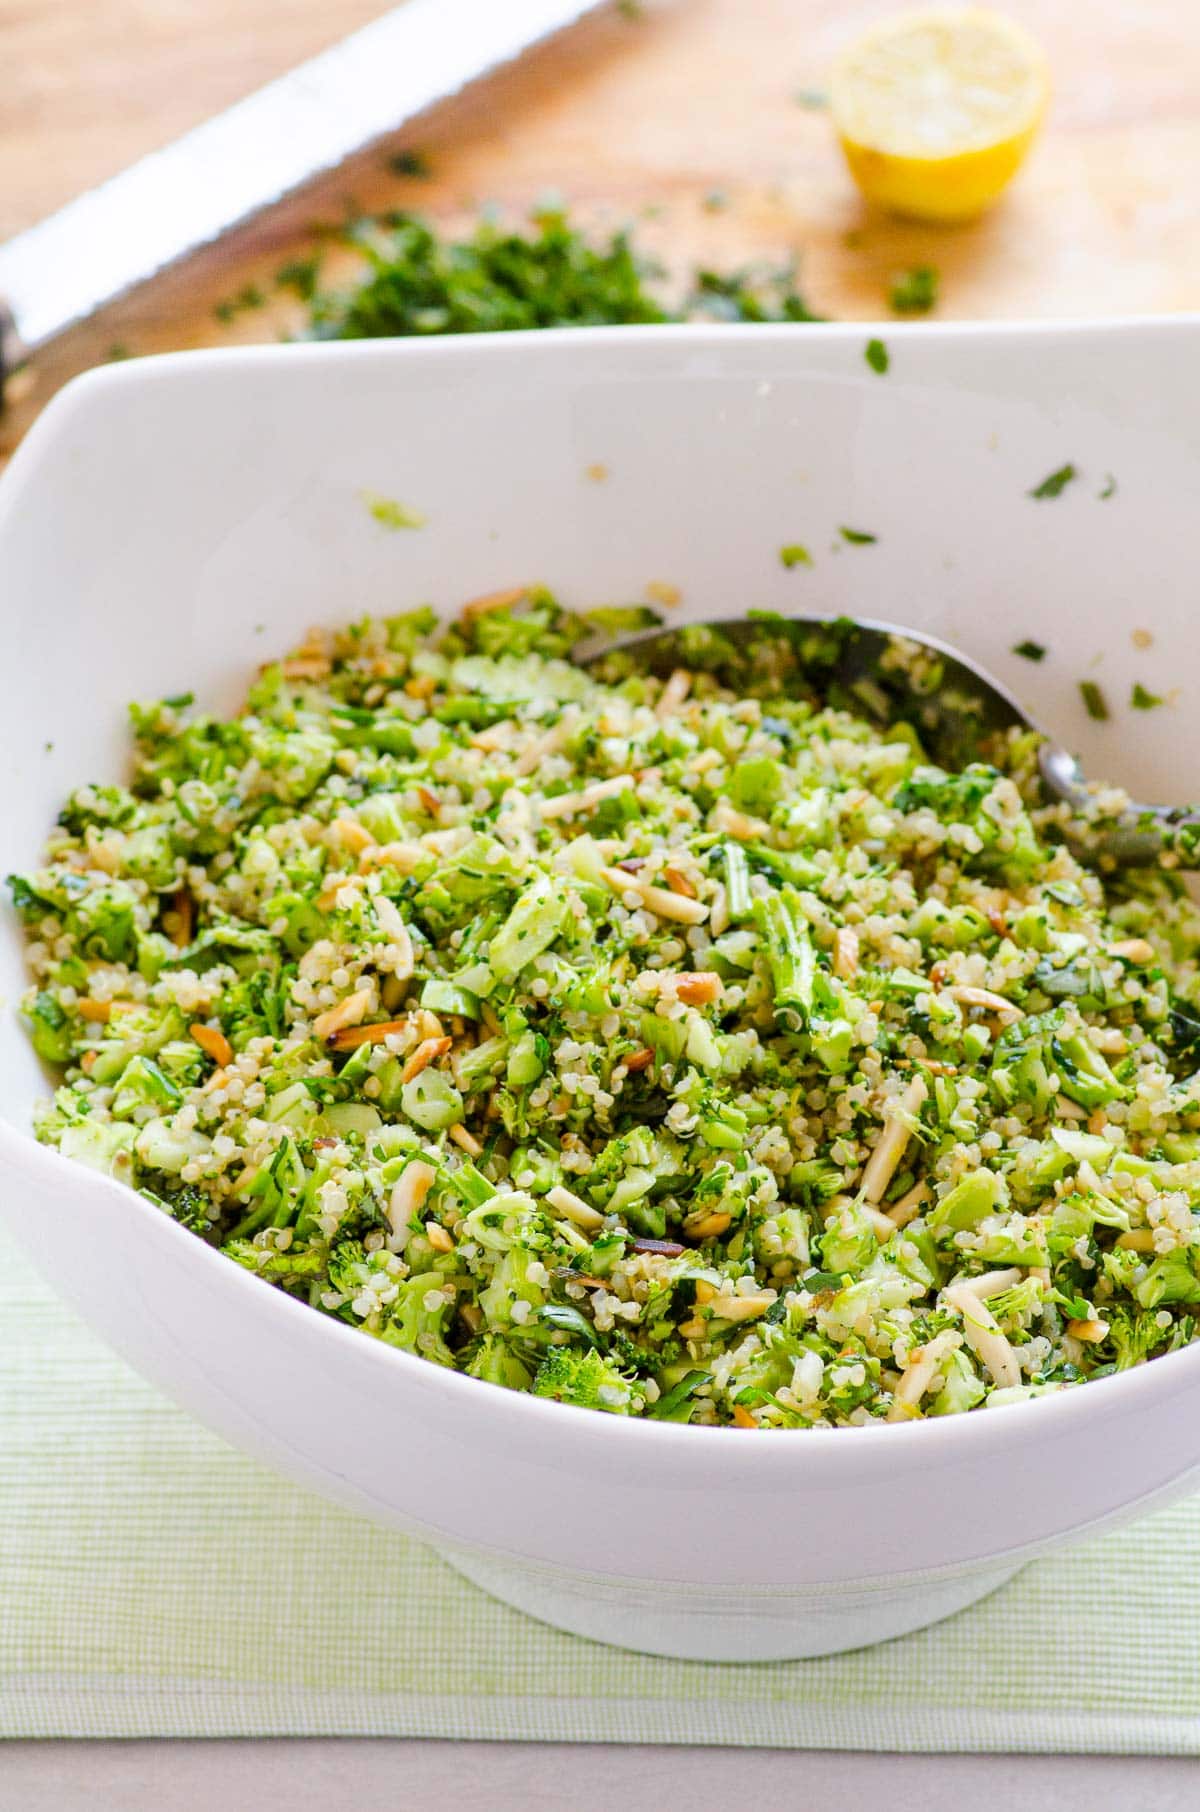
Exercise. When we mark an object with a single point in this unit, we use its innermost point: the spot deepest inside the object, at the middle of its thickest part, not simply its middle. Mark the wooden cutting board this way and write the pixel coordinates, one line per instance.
(691, 119)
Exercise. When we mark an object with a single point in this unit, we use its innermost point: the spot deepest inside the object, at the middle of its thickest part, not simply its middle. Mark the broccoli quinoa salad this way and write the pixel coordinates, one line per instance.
(677, 1044)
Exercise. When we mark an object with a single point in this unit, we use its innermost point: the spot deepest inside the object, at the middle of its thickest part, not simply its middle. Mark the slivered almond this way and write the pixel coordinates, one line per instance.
(430, 801)
(98, 1011)
(727, 819)
(661, 591)
(352, 835)
(918, 1374)
(984, 999)
(428, 1024)
(472, 1314)
(663, 904)
(845, 952)
(1137, 950)
(742, 1308)
(883, 1162)
(494, 600)
(983, 1335)
(673, 693)
(699, 989)
(638, 1060)
(438, 1238)
(306, 667)
(709, 1226)
(568, 805)
(883, 1225)
(695, 1329)
(422, 685)
(678, 882)
(909, 1205)
(347, 1012)
(1090, 1331)
(181, 905)
(575, 1208)
(742, 1417)
(466, 1141)
(214, 1044)
(403, 857)
(407, 1196)
(88, 1061)
(1138, 1239)
(427, 1052)
(991, 1283)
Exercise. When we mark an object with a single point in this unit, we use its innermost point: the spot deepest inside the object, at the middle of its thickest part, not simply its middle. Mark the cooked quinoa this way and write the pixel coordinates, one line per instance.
(685, 1046)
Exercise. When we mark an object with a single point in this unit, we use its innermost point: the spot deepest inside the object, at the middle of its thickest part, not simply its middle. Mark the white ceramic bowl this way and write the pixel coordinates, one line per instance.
(169, 523)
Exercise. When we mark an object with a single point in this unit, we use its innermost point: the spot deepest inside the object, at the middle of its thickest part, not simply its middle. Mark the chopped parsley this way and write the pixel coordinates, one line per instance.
(876, 355)
(543, 274)
(1094, 701)
(914, 292)
(300, 276)
(248, 297)
(393, 515)
(1030, 651)
(795, 554)
(857, 537)
(1141, 700)
(1056, 483)
(1109, 490)
(814, 100)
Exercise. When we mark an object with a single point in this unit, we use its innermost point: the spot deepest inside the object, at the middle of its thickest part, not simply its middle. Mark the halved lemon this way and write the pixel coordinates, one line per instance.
(936, 110)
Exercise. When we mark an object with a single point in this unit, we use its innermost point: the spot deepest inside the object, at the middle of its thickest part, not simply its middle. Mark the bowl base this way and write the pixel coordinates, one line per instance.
(692, 1623)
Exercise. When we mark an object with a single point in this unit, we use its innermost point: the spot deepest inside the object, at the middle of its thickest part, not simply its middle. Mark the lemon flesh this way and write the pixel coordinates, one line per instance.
(936, 111)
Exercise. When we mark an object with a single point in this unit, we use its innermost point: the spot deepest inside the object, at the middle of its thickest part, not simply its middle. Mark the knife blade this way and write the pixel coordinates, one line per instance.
(224, 172)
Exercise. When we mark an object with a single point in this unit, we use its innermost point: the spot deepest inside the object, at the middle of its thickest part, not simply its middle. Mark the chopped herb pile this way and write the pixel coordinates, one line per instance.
(876, 355)
(498, 279)
(795, 554)
(857, 537)
(685, 1046)
(915, 292)
(1030, 651)
(1141, 700)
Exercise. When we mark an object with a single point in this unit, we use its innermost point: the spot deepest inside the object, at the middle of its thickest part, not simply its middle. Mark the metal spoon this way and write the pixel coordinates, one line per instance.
(881, 671)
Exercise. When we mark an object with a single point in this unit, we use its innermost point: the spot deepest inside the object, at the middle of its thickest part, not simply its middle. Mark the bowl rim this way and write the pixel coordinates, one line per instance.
(969, 1437)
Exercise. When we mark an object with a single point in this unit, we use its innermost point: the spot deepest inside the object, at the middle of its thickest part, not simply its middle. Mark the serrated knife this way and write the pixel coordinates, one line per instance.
(231, 168)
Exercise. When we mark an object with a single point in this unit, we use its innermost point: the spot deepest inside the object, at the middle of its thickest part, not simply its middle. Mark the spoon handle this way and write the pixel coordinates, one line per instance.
(1142, 836)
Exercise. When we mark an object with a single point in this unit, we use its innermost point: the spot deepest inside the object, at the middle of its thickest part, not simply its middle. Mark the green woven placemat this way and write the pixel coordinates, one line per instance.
(153, 1582)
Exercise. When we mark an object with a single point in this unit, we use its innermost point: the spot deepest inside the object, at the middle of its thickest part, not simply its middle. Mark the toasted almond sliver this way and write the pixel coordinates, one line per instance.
(732, 823)
(574, 1208)
(1137, 950)
(1139, 1239)
(427, 1052)
(678, 882)
(884, 1161)
(663, 904)
(984, 999)
(422, 685)
(494, 600)
(992, 1283)
(709, 1226)
(909, 1205)
(306, 667)
(1090, 1331)
(351, 1037)
(352, 835)
(919, 1374)
(884, 1227)
(568, 805)
(403, 857)
(214, 1044)
(349, 1011)
(742, 1308)
(638, 1060)
(845, 952)
(695, 1329)
(407, 1196)
(430, 801)
(982, 1333)
(699, 989)
(466, 1141)
(661, 591)
(742, 1417)
(673, 694)
(98, 1011)
(438, 1238)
